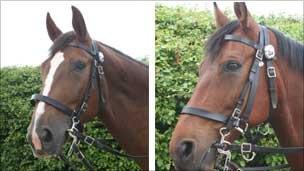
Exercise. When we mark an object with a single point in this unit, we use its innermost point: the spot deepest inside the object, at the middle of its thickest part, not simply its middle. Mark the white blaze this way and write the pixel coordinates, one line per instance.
(55, 62)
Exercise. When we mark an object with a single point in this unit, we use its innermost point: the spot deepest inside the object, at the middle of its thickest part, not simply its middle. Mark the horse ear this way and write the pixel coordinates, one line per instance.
(52, 29)
(79, 25)
(244, 16)
(220, 18)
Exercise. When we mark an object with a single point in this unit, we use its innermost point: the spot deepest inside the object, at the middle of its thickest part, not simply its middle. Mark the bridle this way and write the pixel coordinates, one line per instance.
(96, 72)
(239, 119)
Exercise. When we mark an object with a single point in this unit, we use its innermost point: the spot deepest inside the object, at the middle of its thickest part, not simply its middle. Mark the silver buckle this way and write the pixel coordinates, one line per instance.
(100, 70)
(84, 107)
(271, 73)
(269, 51)
(243, 151)
(91, 140)
(236, 112)
(101, 57)
(259, 54)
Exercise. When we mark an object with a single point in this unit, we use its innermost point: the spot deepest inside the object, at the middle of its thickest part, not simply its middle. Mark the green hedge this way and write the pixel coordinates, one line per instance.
(17, 86)
(180, 36)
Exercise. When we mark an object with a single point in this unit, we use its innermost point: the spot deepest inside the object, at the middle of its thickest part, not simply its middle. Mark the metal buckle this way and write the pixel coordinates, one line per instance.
(243, 151)
(100, 70)
(89, 140)
(101, 56)
(236, 112)
(271, 73)
(259, 54)
(84, 106)
(269, 52)
(236, 124)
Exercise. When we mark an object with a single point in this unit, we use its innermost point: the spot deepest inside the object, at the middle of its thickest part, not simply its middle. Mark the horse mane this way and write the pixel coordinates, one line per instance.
(61, 42)
(65, 39)
(124, 55)
(289, 49)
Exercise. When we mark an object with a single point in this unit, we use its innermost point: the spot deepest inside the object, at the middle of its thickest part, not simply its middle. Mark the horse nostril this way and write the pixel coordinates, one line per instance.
(46, 135)
(186, 149)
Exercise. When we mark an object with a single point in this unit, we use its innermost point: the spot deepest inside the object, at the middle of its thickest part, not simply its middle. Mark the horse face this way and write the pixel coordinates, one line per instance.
(65, 76)
(223, 75)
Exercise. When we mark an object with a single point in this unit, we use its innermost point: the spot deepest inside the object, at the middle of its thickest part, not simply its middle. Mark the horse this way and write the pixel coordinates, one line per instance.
(83, 79)
(251, 74)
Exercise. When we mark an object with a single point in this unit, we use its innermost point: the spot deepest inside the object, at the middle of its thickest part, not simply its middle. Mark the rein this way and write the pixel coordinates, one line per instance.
(239, 119)
(74, 131)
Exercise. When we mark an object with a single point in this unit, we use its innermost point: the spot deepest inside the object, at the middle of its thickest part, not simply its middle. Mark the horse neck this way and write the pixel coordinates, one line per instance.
(126, 96)
(287, 119)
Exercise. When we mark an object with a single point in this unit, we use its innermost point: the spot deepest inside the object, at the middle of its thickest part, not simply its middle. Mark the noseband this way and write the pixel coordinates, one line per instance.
(96, 72)
(239, 118)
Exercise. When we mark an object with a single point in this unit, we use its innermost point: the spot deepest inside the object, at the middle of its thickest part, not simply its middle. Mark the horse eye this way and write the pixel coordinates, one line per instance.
(231, 66)
(79, 65)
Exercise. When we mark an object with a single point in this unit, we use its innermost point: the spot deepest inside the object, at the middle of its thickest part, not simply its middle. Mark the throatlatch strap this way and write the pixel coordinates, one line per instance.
(205, 114)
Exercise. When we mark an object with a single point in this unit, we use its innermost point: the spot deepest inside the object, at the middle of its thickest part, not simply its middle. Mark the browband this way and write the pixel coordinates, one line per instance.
(244, 40)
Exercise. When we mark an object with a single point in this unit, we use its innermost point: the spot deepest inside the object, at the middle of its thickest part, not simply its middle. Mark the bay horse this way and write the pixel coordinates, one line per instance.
(252, 74)
(83, 78)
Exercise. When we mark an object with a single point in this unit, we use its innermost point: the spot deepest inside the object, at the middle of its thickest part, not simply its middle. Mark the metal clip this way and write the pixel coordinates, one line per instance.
(241, 130)
(271, 73)
(223, 141)
(249, 150)
(269, 52)
(73, 129)
(227, 160)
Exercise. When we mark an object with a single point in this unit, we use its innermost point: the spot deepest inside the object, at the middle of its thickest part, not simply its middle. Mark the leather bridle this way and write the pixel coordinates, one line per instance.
(96, 71)
(240, 115)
